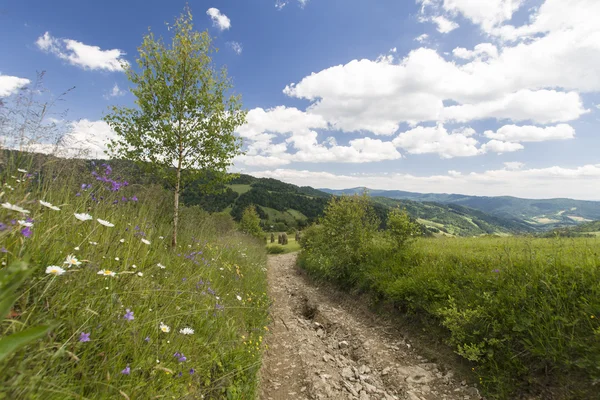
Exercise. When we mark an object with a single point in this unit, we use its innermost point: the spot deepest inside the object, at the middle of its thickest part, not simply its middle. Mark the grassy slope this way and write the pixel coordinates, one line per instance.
(214, 283)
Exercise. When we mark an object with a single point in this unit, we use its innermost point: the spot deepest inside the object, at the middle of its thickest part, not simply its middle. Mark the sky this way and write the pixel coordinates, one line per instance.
(496, 97)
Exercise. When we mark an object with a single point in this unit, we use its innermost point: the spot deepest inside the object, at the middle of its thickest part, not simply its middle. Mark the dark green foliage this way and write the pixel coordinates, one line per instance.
(250, 222)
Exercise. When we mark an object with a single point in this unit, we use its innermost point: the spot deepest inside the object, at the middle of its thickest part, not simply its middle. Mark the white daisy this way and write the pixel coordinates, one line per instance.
(94, 243)
(25, 223)
(165, 328)
(145, 241)
(83, 217)
(72, 261)
(161, 237)
(140, 274)
(21, 170)
(117, 259)
(161, 266)
(54, 270)
(76, 248)
(49, 205)
(122, 240)
(105, 223)
(238, 297)
(134, 266)
(14, 207)
(186, 331)
(106, 272)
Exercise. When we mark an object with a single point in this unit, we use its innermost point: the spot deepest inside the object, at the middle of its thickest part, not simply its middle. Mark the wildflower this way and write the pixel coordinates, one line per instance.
(117, 258)
(21, 170)
(127, 370)
(187, 331)
(83, 217)
(106, 272)
(14, 207)
(54, 270)
(161, 237)
(165, 328)
(49, 205)
(26, 232)
(192, 371)
(180, 357)
(105, 223)
(72, 261)
(128, 315)
(134, 198)
(76, 248)
(238, 297)
(25, 223)
(134, 266)
(84, 337)
(94, 243)
(145, 241)
(140, 274)
(122, 240)
(147, 339)
(161, 266)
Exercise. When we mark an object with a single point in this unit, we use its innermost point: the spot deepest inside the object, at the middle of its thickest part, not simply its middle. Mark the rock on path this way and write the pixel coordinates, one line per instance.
(319, 348)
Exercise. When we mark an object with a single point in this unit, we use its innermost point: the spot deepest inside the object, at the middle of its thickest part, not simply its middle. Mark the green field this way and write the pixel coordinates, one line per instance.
(239, 188)
(291, 247)
(523, 311)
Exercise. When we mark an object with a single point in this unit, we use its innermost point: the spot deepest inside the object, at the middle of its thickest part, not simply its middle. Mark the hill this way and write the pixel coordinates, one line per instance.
(538, 214)
(283, 206)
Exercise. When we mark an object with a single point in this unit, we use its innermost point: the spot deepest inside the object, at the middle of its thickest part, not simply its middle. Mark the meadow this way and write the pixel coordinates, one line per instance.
(522, 311)
(131, 317)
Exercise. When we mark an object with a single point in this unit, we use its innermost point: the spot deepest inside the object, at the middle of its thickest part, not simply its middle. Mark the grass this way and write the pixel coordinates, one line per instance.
(524, 311)
(291, 247)
(131, 295)
(240, 188)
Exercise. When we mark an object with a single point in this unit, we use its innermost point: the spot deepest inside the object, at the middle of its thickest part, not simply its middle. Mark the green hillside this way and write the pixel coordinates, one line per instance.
(540, 215)
(283, 206)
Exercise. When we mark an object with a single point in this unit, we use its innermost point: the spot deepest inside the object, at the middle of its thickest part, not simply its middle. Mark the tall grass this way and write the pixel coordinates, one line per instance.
(126, 313)
(524, 311)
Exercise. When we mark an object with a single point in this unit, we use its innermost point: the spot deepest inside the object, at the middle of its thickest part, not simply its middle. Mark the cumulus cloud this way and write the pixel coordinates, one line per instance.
(279, 4)
(219, 19)
(487, 14)
(513, 165)
(11, 84)
(549, 182)
(498, 146)
(444, 25)
(422, 38)
(529, 133)
(82, 55)
(437, 140)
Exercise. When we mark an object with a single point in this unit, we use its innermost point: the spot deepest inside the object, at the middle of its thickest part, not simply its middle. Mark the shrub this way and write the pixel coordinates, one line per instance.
(275, 249)
(250, 222)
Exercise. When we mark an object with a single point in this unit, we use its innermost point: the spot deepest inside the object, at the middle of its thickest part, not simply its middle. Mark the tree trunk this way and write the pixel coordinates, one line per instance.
(176, 208)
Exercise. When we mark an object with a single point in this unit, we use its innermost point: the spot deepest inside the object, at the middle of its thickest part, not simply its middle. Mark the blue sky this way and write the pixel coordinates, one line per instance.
(490, 98)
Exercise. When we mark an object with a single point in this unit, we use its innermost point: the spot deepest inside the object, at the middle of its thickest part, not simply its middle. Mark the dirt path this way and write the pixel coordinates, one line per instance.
(321, 347)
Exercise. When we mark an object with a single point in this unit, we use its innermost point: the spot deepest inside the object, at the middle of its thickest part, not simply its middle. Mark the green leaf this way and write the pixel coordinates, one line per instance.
(12, 343)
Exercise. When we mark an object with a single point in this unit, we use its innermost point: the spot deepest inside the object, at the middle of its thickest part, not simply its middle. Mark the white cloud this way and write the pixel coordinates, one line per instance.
(422, 38)
(528, 133)
(88, 136)
(542, 106)
(82, 55)
(219, 20)
(513, 165)
(487, 14)
(444, 25)
(498, 146)
(423, 140)
(11, 84)
(116, 91)
(279, 4)
(550, 182)
(480, 51)
(236, 47)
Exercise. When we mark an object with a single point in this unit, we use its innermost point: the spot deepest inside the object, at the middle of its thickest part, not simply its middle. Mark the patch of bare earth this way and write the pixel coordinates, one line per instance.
(321, 348)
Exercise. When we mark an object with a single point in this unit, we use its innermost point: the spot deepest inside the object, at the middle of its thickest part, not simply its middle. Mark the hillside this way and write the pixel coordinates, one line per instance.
(283, 206)
(538, 214)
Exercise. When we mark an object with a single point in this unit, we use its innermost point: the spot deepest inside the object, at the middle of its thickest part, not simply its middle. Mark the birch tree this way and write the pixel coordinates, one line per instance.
(183, 124)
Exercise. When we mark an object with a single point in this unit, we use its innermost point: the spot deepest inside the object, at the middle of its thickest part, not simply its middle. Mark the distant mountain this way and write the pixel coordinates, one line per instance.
(538, 214)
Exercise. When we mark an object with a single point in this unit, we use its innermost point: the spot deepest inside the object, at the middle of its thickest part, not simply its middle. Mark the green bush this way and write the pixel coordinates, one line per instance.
(111, 282)
(275, 249)
(523, 311)
(250, 222)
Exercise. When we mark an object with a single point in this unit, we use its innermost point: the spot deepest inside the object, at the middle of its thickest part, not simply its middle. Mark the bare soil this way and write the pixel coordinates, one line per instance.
(323, 346)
